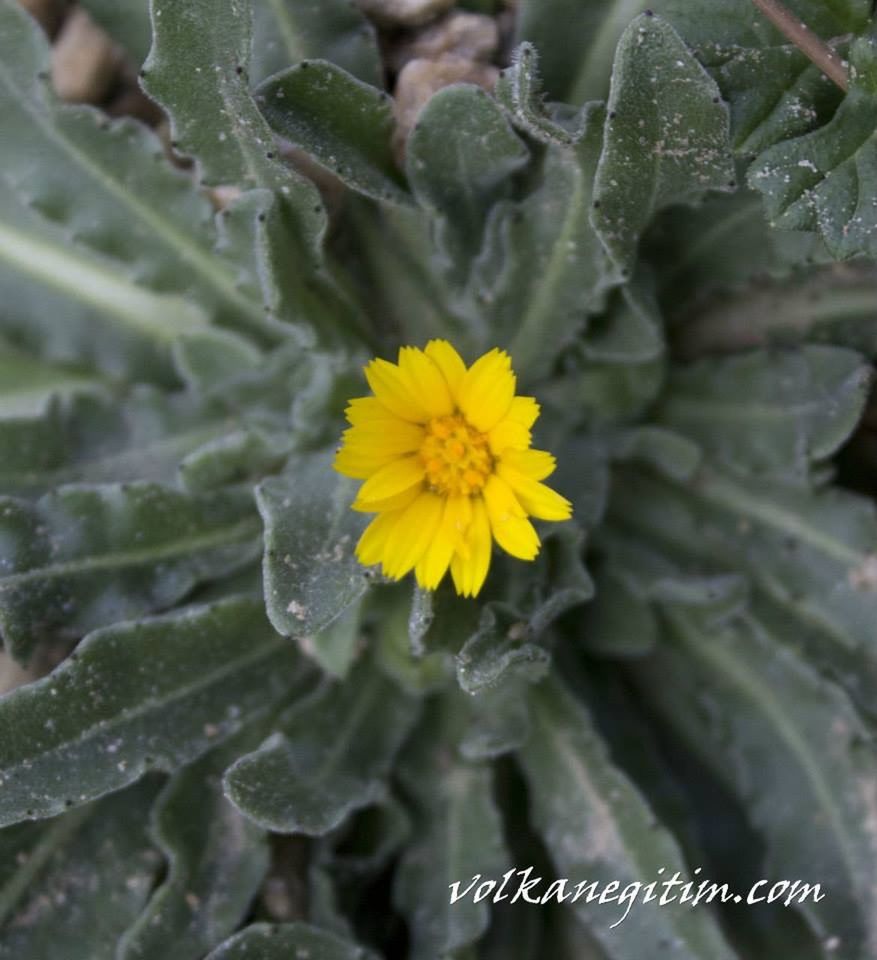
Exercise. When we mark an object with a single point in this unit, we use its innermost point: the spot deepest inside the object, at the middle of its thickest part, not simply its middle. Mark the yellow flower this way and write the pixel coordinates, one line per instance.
(445, 455)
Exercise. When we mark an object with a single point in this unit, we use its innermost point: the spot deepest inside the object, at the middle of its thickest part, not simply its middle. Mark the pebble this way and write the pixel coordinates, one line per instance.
(470, 36)
(404, 13)
(85, 61)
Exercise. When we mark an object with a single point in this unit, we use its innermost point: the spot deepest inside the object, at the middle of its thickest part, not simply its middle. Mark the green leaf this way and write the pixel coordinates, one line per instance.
(666, 136)
(110, 324)
(106, 184)
(619, 623)
(765, 88)
(100, 439)
(631, 332)
(769, 414)
(543, 269)
(216, 863)
(330, 756)
(597, 827)
(311, 572)
(70, 887)
(811, 554)
(722, 245)
(342, 123)
(83, 557)
(235, 457)
(263, 941)
(28, 387)
(774, 729)
(287, 31)
(154, 694)
(576, 42)
(668, 453)
(501, 648)
(127, 22)
(825, 306)
(276, 230)
(701, 23)
(519, 90)
(403, 625)
(213, 115)
(458, 834)
(825, 180)
(459, 160)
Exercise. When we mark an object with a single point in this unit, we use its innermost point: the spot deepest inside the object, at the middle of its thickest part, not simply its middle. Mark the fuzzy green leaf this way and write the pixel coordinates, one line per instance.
(576, 41)
(458, 833)
(543, 269)
(618, 623)
(598, 827)
(311, 572)
(84, 557)
(826, 180)
(100, 439)
(70, 887)
(666, 136)
(826, 306)
(769, 414)
(459, 159)
(287, 31)
(519, 90)
(106, 184)
(811, 554)
(263, 941)
(137, 696)
(784, 739)
(216, 863)
(329, 757)
(213, 115)
(127, 22)
(722, 245)
(110, 324)
(344, 124)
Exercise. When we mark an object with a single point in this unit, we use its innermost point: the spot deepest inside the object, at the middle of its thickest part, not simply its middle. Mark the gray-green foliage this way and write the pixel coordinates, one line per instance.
(235, 741)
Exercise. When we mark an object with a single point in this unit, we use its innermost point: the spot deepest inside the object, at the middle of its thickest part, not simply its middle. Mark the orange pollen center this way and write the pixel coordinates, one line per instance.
(456, 457)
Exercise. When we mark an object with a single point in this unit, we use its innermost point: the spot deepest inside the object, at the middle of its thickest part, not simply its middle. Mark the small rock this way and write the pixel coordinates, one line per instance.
(85, 61)
(420, 79)
(404, 13)
(470, 36)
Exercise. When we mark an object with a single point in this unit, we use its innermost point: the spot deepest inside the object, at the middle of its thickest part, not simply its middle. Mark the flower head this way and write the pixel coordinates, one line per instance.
(445, 455)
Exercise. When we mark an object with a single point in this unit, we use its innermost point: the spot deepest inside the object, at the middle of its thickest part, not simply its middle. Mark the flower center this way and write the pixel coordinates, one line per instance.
(456, 456)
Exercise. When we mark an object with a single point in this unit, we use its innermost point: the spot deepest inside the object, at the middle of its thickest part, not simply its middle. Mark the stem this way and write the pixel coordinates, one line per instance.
(808, 43)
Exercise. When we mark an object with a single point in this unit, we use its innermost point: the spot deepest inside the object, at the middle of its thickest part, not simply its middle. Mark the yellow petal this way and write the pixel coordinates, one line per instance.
(536, 498)
(536, 464)
(396, 477)
(508, 434)
(397, 437)
(359, 464)
(508, 521)
(395, 391)
(449, 362)
(524, 410)
(487, 390)
(412, 534)
(470, 565)
(370, 549)
(362, 410)
(432, 388)
(396, 502)
(433, 565)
